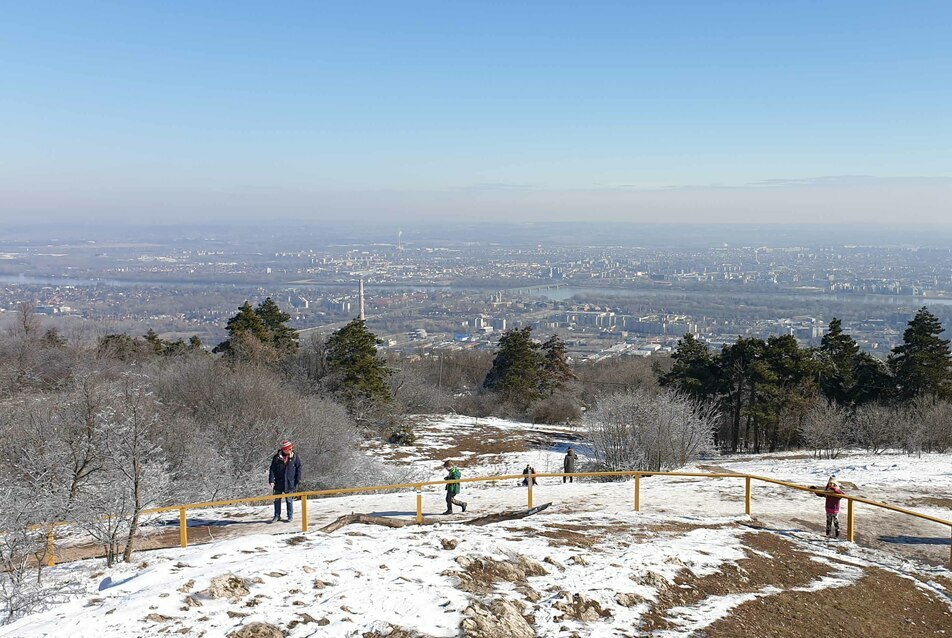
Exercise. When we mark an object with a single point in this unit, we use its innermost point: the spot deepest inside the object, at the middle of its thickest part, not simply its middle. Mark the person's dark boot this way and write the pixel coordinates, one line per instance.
(273, 520)
(463, 506)
(449, 511)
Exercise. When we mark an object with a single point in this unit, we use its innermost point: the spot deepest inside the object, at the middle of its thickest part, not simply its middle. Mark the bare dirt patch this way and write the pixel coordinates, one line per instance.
(677, 528)
(482, 445)
(565, 534)
(878, 604)
(787, 566)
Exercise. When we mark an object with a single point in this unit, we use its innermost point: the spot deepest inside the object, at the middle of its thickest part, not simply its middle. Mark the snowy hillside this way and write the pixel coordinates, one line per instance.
(589, 565)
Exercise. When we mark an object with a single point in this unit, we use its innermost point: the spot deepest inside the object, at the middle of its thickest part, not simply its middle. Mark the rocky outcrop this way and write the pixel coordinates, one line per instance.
(502, 619)
(228, 586)
(257, 630)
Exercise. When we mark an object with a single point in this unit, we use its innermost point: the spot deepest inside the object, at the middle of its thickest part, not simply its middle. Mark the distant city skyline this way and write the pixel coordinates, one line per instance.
(690, 112)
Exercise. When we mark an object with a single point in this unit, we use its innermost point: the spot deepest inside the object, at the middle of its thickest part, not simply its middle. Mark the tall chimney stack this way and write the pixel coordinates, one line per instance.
(362, 317)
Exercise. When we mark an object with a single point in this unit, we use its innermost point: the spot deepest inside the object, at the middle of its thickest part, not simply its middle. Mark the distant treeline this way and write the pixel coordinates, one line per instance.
(766, 391)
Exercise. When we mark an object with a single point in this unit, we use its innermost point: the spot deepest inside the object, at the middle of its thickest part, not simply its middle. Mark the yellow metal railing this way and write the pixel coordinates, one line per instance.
(418, 488)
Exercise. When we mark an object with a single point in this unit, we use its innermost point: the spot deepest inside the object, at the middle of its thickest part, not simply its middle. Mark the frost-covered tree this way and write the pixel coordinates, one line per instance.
(23, 589)
(826, 429)
(642, 431)
(874, 427)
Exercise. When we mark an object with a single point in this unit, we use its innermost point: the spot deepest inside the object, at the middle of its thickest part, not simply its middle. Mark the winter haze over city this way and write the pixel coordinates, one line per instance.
(471, 319)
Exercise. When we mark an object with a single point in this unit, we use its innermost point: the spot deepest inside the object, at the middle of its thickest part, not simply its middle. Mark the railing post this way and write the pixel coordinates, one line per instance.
(849, 520)
(747, 495)
(637, 492)
(183, 527)
(531, 480)
(419, 504)
(304, 512)
(50, 548)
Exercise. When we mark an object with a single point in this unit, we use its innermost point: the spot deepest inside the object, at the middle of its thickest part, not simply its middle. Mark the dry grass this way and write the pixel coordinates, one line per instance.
(880, 604)
(787, 566)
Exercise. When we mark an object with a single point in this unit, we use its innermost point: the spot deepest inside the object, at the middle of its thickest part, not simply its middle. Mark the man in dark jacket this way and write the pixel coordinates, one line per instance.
(284, 477)
(568, 464)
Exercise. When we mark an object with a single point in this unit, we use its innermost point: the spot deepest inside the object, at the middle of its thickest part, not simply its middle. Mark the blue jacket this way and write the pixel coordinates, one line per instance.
(285, 476)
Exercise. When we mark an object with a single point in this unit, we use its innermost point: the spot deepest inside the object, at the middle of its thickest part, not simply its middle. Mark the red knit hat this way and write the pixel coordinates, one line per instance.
(286, 446)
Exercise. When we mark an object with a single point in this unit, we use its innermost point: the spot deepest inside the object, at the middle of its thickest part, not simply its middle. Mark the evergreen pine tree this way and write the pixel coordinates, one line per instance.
(281, 336)
(873, 381)
(694, 369)
(921, 365)
(53, 339)
(246, 325)
(156, 343)
(556, 371)
(838, 356)
(357, 373)
(516, 373)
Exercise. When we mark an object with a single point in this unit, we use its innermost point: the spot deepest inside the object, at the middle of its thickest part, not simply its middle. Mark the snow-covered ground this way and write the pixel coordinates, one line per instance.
(589, 565)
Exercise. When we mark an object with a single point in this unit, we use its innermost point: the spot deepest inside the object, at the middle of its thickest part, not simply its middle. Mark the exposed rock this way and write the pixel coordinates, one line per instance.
(256, 600)
(257, 630)
(554, 563)
(653, 580)
(628, 599)
(157, 618)
(389, 631)
(532, 567)
(191, 601)
(307, 569)
(320, 584)
(480, 574)
(236, 614)
(449, 543)
(228, 586)
(531, 595)
(502, 619)
(578, 607)
(578, 560)
(305, 619)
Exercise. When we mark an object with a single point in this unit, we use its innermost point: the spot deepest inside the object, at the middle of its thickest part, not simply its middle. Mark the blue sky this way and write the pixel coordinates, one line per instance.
(509, 110)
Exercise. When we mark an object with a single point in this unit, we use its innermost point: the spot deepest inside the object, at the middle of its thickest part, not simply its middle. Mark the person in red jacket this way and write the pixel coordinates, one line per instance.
(832, 507)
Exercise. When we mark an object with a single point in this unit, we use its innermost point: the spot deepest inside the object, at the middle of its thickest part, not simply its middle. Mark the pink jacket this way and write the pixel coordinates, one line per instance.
(832, 502)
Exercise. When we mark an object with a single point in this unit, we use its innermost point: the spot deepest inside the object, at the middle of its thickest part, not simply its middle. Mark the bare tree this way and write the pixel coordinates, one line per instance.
(826, 429)
(414, 394)
(874, 427)
(22, 550)
(935, 424)
(641, 430)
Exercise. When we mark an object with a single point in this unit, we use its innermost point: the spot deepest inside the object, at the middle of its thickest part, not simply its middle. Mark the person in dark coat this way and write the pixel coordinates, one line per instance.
(568, 464)
(284, 477)
(529, 471)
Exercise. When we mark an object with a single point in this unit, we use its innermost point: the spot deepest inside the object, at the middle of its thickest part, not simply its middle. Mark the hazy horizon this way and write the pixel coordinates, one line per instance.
(424, 112)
